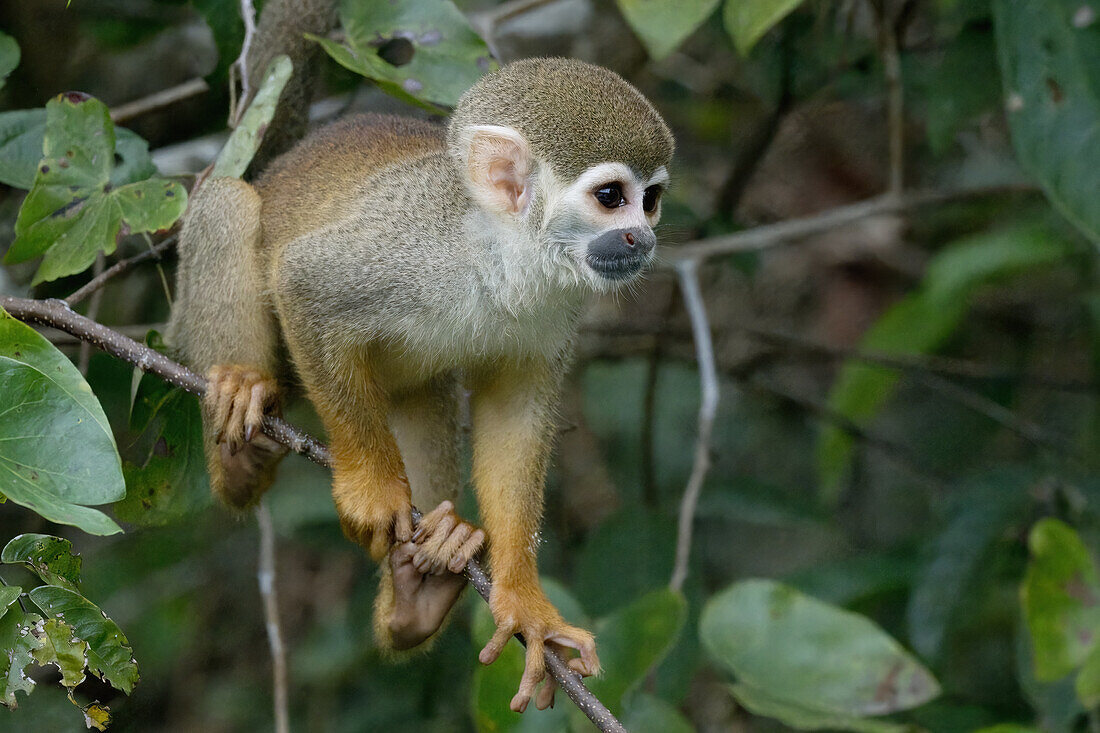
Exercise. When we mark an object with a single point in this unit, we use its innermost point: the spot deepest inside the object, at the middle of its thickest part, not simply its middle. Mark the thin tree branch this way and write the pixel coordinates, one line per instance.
(771, 235)
(57, 314)
(93, 311)
(688, 271)
(888, 32)
(159, 100)
(97, 282)
(240, 69)
(265, 575)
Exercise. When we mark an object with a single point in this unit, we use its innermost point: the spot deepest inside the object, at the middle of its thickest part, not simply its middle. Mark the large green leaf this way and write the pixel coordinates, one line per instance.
(648, 714)
(50, 558)
(748, 20)
(789, 649)
(662, 25)
(806, 717)
(22, 132)
(18, 643)
(921, 322)
(9, 56)
(109, 654)
(633, 640)
(8, 595)
(1061, 599)
(57, 451)
(447, 56)
(978, 518)
(73, 211)
(1050, 63)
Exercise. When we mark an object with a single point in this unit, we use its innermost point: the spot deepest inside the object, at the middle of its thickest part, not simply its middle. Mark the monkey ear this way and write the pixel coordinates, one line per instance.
(498, 163)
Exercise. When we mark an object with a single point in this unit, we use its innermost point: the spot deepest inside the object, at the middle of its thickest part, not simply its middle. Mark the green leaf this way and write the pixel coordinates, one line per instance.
(9, 56)
(804, 717)
(1061, 599)
(23, 131)
(64, 650)
(648, 714)
(1009, 728)
(1087, 684)
(447, 55)
(794, 650)
(50, 558)
(73, 210)
(921, 322)
(172, 482)
(1050, 65)
(242, 145)
(748, 20)
(978, 519)
(960, 87)
(109, 654)
(633, 640)
(8, 596)
(57, 451)
(18, 642)
(662, 25)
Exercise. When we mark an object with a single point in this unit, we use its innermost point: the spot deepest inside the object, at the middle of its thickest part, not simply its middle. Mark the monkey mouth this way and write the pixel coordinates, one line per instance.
(615, 268)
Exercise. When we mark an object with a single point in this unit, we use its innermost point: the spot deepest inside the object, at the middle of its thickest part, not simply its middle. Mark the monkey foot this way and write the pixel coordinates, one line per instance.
(236, 397)
(444, 541)
(421, 599)
(531, 614)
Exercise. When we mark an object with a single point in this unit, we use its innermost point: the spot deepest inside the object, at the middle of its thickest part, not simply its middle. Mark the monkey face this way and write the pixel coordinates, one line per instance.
(604, 220)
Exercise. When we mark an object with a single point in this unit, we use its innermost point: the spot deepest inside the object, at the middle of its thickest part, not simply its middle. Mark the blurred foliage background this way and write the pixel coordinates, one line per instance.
(898, 527)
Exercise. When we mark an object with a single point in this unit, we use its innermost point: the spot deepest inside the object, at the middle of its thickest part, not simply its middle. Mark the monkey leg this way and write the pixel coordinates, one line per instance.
(421, 581)
(223, 325)
(512, 427)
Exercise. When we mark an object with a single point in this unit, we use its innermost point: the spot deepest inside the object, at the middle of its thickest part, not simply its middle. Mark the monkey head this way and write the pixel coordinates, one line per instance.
(570, 162)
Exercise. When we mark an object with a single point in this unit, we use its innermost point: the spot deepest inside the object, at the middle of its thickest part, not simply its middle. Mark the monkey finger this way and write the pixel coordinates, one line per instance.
(452, 543)
(379, 545)
(534, 672)
(588, 663)
(254, 415)
(234, 428)
(545, 698)
(403, 525)
(430, 520)
(467, 551)
(495, 645)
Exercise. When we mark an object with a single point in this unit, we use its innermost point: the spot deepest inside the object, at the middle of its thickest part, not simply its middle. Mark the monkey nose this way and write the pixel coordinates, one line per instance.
(629, 239)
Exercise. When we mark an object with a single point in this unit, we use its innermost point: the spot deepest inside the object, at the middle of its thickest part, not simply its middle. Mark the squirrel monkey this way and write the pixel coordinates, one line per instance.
(397, 260)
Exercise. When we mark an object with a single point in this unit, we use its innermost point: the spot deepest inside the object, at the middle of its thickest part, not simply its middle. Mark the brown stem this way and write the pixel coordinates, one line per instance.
(118, 268)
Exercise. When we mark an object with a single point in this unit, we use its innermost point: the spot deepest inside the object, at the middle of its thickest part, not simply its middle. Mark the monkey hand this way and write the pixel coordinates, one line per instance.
(445, 542)
(235, 401)
(529, 612)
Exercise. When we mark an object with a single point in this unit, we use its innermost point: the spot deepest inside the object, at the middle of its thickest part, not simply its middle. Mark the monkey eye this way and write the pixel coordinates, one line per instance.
(610, 195)
(650, 198)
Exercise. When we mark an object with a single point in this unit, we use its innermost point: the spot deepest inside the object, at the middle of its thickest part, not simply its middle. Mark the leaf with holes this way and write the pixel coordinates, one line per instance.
(791, 651)
(50, 558)
(748, 20)
(18, 643)
(422, 51)
(662, 25)
(73, 211)
(57, 451)
(109, 654)
(1050, 66)
(22, 132)
(61, 648)
(1061, 600)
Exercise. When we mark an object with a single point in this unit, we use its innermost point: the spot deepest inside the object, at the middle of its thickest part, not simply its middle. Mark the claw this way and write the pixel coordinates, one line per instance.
(249, 432)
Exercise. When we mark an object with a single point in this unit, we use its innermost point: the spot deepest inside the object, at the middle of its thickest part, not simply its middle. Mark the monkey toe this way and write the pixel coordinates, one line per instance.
(421, 601)
(236, 399)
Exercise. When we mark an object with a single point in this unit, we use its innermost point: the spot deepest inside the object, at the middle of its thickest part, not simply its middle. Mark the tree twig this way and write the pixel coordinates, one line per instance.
(688, 271)
(240, 66)
(93, 311)
(158, 100)
(772, 235)
(118, 268)
(265, 576)
(888, 32)
(57, 314)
